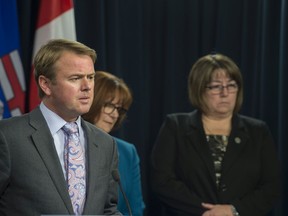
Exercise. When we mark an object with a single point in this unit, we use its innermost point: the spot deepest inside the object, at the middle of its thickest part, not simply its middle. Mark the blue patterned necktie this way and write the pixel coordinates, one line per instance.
(74, 163)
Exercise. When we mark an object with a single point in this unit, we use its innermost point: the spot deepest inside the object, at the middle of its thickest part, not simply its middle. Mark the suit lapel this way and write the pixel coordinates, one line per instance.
(44, 143)
(200, 142)
(236, 143)
(92, 153)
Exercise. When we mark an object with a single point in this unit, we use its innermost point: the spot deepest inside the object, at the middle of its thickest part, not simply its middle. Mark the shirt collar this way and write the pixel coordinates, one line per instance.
(54, 121)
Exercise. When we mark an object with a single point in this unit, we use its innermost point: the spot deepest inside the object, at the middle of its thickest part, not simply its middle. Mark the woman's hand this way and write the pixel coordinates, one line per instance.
(217, 210)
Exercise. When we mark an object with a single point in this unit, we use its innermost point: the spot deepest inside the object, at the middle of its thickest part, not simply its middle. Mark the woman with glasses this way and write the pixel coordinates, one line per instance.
(112, 99)
(214, 161)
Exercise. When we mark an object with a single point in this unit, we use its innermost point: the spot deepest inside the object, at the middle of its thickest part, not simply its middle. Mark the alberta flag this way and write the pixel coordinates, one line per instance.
(12, 81)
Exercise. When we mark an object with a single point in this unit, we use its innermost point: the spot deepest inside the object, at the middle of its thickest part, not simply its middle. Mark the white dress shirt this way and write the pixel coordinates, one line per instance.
(55, 123)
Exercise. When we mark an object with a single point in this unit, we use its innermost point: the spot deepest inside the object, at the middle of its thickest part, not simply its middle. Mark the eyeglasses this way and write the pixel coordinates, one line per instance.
(217, 89)
(109, 108)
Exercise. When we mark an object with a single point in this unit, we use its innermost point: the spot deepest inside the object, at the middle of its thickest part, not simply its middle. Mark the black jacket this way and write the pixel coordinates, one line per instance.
(183, 172)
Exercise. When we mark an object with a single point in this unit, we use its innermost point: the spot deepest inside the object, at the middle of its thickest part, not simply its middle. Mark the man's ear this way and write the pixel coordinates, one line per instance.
(45, 84)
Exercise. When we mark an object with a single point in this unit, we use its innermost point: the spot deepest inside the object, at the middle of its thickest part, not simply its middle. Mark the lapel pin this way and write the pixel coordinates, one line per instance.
(237, 140)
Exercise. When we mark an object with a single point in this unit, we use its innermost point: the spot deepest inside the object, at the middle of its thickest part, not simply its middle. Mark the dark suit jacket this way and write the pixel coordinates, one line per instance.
(31, 177)
(183, 172)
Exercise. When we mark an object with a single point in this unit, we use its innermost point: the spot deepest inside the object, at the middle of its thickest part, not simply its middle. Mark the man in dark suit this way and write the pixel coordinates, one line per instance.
(35, 166)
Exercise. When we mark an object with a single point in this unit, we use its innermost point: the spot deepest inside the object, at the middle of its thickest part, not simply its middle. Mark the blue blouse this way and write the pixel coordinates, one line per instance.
(130, 177)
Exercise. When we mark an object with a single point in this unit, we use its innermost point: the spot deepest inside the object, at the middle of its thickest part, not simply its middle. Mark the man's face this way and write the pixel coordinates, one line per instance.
(71, 93)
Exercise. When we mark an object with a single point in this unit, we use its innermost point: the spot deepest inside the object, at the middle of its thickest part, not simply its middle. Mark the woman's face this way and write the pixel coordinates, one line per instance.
(107, 120)
(220, 95)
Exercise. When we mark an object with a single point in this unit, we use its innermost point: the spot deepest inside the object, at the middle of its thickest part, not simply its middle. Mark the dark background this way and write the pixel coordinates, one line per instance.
(152, 45)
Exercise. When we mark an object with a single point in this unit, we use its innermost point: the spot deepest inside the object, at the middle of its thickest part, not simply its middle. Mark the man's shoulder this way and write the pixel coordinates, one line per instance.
(92, 131)
(14, 121)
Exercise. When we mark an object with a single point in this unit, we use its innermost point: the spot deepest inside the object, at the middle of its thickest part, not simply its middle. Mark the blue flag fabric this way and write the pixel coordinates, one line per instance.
(12, 81)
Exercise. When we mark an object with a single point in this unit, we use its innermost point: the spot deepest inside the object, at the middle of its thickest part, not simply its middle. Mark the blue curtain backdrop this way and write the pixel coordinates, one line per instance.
(152, 44)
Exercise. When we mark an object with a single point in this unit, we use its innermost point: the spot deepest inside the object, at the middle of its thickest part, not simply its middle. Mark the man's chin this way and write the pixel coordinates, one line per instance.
(84, 109)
